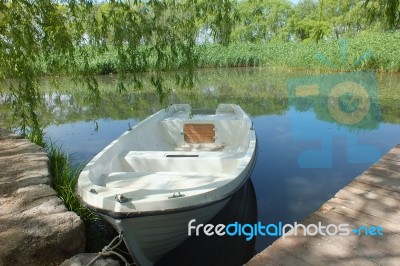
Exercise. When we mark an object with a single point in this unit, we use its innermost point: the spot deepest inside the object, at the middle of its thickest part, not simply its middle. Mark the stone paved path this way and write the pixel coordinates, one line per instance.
(35, 226)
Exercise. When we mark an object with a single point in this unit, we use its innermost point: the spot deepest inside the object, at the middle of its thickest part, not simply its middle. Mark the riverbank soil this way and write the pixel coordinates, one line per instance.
(35, 226)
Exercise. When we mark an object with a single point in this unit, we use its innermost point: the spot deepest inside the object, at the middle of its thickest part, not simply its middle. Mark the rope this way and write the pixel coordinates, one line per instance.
(109, 250)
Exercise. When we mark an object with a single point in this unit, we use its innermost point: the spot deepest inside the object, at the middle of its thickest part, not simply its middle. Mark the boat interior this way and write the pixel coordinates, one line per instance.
(177, 149)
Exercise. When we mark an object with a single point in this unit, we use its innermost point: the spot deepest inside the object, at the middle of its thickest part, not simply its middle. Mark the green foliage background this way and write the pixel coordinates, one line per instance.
(81, 39)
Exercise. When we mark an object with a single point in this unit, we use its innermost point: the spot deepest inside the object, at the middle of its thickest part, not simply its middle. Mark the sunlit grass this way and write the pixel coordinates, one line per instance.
(385, 55)
(36, 136)
(64, 175)
(64, 179)
(372, 51)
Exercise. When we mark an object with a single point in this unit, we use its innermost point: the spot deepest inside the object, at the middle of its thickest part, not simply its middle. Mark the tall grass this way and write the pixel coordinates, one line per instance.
(372, 51)
(64, 178)
(64, 175)
(36, 135)
(276, 54)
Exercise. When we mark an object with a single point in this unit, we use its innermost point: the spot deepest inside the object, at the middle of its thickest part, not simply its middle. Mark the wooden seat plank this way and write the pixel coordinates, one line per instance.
(199, 133)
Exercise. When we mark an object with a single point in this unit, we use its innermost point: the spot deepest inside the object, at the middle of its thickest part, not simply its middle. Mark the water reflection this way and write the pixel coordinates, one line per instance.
(305, 153)
(348, 99)
(286, 190)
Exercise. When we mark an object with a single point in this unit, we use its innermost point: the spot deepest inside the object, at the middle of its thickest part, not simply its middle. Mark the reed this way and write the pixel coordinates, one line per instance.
(385, 56)
(369, 51)
(64, 175)
(36, 135)
(64, 179)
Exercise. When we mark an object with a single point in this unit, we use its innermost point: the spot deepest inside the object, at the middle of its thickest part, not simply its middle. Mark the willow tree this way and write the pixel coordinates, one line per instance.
(60, 37)
(385, 11)
(262, 20)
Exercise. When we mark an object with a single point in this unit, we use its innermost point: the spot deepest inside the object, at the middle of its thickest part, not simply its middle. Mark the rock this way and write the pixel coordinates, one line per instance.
(35, 226)
(85, 258)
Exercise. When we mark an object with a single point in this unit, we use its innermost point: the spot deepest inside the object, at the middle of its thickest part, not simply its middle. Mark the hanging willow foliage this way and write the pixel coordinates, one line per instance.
(61, 37)
(386, 11)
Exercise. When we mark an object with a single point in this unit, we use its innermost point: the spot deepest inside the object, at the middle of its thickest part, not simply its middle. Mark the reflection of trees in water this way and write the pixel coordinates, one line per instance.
(68, 102)
(320, 106)
(352, 100)
(60, 108)
(391, 113)
(256, 91)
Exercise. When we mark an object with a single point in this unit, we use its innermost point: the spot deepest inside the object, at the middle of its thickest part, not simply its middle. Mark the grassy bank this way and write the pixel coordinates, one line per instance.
(64, 175)
(373, 51)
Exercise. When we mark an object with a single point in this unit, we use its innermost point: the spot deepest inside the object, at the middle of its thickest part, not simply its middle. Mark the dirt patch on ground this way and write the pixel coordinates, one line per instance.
(35, 226)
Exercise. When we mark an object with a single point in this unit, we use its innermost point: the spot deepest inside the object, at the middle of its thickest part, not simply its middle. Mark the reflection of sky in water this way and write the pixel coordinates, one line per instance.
(285, 192)
(81, 139)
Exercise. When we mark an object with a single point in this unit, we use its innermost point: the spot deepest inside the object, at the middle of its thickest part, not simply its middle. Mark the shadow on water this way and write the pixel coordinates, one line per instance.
(197, 250)
(220, 250)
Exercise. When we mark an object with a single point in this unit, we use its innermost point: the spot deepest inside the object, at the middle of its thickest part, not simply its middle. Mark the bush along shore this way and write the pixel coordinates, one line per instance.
(366, 51)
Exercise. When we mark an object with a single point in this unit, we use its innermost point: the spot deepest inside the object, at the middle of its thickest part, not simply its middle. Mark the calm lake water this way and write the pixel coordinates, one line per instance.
(315, 132)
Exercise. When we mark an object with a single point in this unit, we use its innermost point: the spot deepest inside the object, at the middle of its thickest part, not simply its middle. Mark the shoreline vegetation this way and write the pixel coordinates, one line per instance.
(374, 52)
(366, 51)
(64, 175)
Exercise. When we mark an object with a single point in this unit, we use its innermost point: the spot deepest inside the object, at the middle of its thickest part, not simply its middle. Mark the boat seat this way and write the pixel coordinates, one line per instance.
(182, 161)
(162, 181)
(199, 133)
(221, 132)
(182, 154)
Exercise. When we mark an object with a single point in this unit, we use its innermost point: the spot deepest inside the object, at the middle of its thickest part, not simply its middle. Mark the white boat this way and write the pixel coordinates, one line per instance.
(170, 168)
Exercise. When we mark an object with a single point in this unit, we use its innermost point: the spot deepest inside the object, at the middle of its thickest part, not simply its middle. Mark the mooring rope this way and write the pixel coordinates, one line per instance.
(109, 250)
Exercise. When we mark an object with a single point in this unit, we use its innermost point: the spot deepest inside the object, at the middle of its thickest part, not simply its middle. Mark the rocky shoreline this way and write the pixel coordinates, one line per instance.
(35, 226)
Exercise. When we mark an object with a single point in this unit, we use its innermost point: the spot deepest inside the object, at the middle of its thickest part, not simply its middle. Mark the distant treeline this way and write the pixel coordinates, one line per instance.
(261, 21)
(272, 33)
(265, 20)
(103, 37)
(366, 51)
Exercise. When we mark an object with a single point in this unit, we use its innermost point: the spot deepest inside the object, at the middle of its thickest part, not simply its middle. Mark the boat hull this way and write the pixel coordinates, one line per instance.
(148, 238)
(171, 168)
(216, 249)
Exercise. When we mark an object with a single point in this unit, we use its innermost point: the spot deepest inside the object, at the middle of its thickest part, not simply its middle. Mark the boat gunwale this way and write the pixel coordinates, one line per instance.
(126, 215)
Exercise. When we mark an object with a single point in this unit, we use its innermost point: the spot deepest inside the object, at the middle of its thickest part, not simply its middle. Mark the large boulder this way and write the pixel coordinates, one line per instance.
(35, 226)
